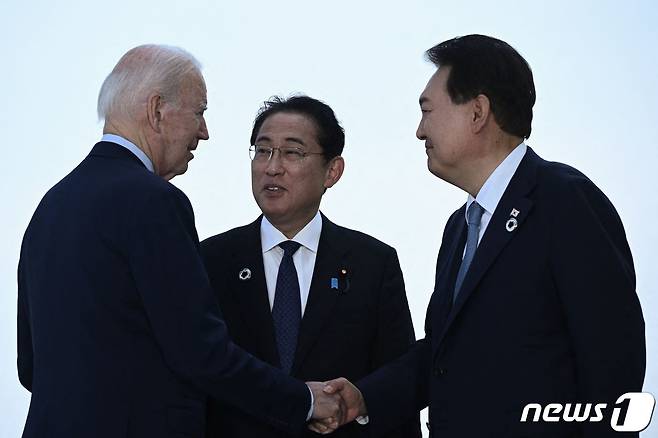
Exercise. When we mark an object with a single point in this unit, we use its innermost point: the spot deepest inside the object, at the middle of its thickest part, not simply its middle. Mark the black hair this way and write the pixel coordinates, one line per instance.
(331, 136)
(481, 64)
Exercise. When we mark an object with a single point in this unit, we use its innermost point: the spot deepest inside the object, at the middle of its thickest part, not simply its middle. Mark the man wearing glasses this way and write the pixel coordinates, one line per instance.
(296, 290)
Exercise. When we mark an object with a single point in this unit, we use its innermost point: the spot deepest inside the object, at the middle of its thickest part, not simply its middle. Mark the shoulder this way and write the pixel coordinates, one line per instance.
(145, 191)
(564, 184)
(559, 176)
(573, 203)
(226, 242)
(115, 187)
(357, 240)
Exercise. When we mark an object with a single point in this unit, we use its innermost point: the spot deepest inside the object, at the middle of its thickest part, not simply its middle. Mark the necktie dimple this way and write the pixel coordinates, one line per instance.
(474, 216)
(287, 308)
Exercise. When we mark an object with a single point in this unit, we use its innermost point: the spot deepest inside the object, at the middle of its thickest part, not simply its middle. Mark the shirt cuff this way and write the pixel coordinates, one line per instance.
(310, 410)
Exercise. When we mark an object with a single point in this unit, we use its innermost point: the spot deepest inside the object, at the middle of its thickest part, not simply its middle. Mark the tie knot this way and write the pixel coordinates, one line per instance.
(474, 215)
(289, 247)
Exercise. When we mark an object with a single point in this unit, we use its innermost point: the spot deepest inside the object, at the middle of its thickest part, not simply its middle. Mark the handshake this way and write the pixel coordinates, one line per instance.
(335, 402)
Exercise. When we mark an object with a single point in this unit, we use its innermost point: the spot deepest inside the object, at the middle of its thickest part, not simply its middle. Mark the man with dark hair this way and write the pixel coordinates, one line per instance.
(534, 299)
(296, 290)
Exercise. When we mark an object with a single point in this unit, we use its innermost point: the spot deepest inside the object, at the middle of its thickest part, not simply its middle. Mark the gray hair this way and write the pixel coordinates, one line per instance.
(143, 70)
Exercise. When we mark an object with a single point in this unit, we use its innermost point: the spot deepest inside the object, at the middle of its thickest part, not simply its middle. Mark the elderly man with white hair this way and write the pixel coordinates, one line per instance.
(119, 334)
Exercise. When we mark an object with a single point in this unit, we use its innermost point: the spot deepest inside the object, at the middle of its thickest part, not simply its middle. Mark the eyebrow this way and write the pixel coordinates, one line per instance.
(287, 139)
(422, 100)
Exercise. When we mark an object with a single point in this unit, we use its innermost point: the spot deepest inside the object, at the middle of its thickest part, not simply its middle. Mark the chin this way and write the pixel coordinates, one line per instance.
(434, 170)
(269, 207)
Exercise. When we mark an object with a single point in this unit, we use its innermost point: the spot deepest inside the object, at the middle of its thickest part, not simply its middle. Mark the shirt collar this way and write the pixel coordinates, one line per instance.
(309, 236)
(132, 147)
(494, 187)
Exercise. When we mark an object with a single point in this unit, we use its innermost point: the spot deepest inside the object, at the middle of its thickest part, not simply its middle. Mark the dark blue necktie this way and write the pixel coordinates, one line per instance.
(473, 218)
(287, 307)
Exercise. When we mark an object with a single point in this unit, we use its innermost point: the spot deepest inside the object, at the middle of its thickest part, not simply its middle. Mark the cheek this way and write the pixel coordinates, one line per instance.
(257, 174)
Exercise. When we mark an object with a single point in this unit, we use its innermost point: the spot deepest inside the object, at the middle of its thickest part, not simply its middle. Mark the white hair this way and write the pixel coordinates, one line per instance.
(141, 71)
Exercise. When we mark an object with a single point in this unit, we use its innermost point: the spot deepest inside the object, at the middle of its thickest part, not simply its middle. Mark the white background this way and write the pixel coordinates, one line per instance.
(595, 72)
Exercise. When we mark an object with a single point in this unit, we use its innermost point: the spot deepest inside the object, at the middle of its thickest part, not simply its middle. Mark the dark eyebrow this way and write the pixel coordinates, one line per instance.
(295, 140)
(422, 100)
(287, 139)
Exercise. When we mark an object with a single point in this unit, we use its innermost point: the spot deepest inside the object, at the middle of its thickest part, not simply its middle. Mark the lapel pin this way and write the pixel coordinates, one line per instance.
(511, 225)
(334, 283)
(245, 274)
(342, 273)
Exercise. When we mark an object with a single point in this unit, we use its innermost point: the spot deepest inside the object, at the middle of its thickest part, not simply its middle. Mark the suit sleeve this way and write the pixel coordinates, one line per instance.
(395, 332)
(398, 390)
(593, 271)
(163, 252)
(402, 387)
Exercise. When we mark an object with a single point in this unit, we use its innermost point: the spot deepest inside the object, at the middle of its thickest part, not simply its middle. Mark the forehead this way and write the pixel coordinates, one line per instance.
(283, 126)
(193, 88)
(436, 86)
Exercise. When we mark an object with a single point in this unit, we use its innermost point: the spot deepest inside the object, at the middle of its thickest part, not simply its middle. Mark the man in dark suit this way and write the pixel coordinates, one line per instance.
(534, 300)
(119, 334)
(348, 309)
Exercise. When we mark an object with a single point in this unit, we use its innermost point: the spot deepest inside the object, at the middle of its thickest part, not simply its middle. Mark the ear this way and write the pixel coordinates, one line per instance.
(334, 171)
(154, 105)
(480, 112)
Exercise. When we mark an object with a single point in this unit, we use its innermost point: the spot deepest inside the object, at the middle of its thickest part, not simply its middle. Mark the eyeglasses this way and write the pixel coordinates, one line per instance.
(289, 154)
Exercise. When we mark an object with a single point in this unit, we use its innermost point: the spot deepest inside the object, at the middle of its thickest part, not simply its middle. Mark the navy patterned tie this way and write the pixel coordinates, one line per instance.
(474, 216)
(287, 307)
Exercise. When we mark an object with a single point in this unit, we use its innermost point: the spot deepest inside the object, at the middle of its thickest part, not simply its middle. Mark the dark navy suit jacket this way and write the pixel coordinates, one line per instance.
(119, 334)
(348, 331)
(547, 313)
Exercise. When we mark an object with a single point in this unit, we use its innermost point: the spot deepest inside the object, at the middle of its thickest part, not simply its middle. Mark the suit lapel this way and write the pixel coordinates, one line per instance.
(322, 298)
(499, 232)
(251, 295)
(446, 276)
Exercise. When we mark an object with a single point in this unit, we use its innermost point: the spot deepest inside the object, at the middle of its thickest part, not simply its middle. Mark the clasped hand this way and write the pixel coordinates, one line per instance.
(336, 402)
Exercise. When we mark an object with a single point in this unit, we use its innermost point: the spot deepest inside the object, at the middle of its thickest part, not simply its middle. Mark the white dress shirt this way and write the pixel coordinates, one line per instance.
(132, 147)
(493, 188)
(304, 257)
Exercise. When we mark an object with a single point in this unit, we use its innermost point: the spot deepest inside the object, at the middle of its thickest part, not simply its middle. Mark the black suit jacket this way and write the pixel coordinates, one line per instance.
(119, 334)
(547, 313)
(349, 331)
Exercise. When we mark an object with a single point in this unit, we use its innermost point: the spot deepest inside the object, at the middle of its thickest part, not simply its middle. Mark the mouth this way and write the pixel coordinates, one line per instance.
(273, 188)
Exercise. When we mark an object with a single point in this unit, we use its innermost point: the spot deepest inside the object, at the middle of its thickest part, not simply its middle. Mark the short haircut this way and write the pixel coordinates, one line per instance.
(481, 64)
(330, 135)
(141, 71)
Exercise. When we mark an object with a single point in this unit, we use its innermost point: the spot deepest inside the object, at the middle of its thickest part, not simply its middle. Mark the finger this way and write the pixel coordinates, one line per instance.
(317, 427)
(323, 426)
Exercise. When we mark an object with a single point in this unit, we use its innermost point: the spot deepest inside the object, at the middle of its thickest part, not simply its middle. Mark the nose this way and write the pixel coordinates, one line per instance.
(420, 131)
(274, 166)
(203, 130)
